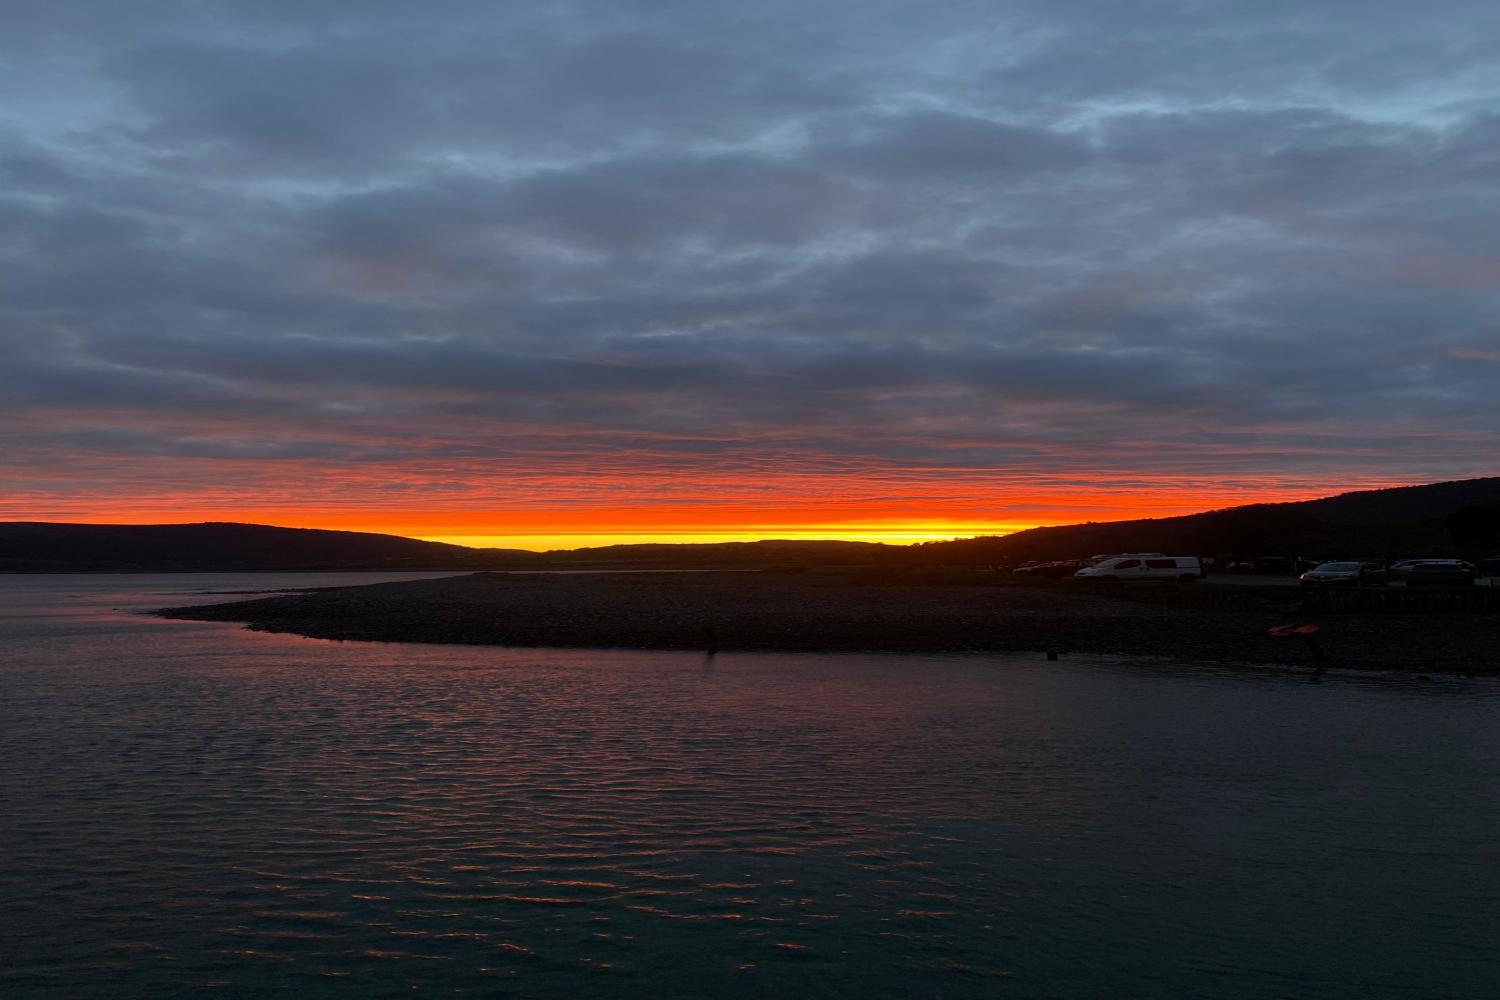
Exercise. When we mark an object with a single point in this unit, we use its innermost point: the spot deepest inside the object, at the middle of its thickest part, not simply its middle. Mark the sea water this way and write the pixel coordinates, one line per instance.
(192, 809)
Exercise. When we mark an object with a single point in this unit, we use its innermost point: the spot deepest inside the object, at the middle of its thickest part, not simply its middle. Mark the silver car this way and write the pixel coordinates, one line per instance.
(1344, 574)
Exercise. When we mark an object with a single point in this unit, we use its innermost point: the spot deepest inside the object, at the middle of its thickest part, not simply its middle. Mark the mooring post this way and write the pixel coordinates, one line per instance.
(1307, 632)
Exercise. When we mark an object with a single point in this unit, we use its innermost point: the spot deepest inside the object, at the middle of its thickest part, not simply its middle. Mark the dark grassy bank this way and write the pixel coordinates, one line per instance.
(772, 611)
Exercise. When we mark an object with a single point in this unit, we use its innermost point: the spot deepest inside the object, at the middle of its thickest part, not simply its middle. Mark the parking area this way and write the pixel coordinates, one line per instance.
(1251, 579)
(1265, 580)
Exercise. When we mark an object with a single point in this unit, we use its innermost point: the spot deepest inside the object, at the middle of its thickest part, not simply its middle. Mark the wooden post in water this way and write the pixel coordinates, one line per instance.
(1308, 632)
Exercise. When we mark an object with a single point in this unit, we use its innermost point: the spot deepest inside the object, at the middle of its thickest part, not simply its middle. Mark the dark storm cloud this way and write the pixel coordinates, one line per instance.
(897, 229)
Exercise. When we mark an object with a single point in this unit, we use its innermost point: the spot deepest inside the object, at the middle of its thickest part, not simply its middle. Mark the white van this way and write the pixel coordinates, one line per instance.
(1096, 560)
(1143, 567)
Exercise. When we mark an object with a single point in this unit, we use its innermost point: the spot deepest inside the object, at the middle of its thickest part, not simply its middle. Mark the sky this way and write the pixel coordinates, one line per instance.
(566, 273)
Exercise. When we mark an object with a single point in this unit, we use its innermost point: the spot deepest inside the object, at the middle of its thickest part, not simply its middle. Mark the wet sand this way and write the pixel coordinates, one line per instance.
(812, 612)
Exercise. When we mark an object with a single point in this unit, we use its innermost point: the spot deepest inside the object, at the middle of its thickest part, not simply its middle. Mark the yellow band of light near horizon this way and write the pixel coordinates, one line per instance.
(895, 535)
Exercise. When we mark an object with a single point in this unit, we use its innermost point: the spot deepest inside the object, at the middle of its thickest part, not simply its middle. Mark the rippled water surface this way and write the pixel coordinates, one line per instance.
(192, 809)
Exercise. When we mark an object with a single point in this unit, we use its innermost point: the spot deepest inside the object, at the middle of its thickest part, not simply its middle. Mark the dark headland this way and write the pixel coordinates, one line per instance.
(860, 611)
(834, 595)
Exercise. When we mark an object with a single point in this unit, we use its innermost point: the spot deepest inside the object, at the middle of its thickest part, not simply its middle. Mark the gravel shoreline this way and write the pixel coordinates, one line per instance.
(811, 612)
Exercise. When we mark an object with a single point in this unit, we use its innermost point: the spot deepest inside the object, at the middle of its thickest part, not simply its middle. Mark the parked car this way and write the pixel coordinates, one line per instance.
(1441, 573)
(1345, 574)
(1401, 567)
(1133, 568)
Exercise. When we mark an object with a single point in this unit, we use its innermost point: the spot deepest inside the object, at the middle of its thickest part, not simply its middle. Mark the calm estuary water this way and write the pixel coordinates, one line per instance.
(194, 810)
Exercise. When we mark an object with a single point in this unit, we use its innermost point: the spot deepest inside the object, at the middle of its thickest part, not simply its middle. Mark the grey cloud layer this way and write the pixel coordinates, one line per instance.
(933, 233)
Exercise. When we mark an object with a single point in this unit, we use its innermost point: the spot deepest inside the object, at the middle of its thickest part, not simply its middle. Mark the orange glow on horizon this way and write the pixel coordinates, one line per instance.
(904, 522)
(642, 500)
(907, 534)
(479, 482)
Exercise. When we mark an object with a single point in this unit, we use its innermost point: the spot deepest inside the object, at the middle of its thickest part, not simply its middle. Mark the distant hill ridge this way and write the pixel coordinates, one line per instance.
(1451, 518)
(1457, 518)
(38, 546)
(217, 545)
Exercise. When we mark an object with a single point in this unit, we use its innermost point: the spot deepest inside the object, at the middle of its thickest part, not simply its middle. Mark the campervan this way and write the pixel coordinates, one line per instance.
(1144, 567)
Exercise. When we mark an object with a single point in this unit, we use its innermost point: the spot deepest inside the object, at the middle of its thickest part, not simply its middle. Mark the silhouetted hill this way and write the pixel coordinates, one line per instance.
(1456, 518)
(38, 546)
(1405, 504)
(46, 547)
(1460, 518)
